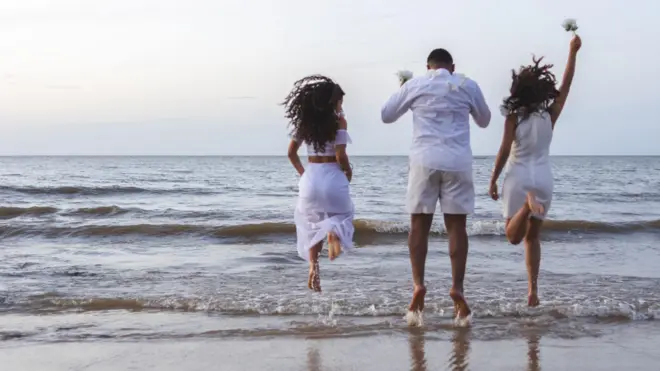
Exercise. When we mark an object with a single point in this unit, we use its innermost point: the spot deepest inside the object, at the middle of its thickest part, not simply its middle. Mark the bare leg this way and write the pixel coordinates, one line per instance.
(418, 245)
(334, 246)
(533, 259)
(314, 280)
(516, 227)
(458, 252)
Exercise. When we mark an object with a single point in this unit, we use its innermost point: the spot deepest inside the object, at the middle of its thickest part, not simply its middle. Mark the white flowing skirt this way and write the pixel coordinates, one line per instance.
(324, 205)
(521, 179)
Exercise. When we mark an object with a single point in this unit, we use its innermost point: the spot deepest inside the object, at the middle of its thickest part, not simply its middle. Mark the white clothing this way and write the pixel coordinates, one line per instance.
(454, 189)
(528, 167)
(441, 104)
(324, 203)
(342, 137)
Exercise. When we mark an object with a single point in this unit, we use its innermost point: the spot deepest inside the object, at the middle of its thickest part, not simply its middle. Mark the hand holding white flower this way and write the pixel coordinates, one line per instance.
(570, 25)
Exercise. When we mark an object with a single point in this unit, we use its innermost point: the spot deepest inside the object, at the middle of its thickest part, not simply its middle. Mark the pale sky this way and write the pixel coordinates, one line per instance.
(204, 77)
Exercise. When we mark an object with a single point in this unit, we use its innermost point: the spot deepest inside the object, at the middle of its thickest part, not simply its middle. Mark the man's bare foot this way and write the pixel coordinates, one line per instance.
(534, 205)
(533, 300)
(461, 308)
(334, 247)
(314, 281)
(417, 302)
(414, 319)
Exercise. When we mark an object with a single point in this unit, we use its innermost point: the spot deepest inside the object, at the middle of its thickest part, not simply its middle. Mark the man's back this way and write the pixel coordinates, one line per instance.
(441, 104)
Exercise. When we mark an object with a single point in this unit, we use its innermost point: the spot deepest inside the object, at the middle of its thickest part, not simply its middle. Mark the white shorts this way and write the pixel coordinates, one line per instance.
(454, 190)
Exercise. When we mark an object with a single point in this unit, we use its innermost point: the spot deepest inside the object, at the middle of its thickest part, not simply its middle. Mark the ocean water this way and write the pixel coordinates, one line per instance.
(129, 248)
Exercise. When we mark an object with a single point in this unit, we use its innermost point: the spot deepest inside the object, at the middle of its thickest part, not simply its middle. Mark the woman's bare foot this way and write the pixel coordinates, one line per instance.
(334, 247)
(314, 280)
(534, 206)
(533, 300)
(417, 302)
(310, 279)
(461, 308)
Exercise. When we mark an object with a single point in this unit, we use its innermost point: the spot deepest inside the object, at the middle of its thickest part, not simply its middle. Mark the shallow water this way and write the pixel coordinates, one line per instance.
(170, 248)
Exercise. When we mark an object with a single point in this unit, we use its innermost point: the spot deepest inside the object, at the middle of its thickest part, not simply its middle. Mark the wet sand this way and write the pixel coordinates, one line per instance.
(626, 347)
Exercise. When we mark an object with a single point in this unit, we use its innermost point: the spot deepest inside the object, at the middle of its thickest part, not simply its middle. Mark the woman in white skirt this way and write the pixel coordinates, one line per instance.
(531, 113)
(324, 207)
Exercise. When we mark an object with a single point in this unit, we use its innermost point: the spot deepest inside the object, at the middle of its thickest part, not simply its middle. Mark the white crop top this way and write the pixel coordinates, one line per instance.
(342, 137)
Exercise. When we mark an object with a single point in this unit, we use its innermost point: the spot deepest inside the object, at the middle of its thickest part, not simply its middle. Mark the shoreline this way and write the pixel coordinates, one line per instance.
(625, 347)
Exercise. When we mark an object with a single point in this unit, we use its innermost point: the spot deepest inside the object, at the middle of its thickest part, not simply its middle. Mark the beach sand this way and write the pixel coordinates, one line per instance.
(626, 347)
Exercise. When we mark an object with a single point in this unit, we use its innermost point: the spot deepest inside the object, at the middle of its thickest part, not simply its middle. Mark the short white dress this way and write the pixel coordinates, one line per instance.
(324, 201)
(528, 167)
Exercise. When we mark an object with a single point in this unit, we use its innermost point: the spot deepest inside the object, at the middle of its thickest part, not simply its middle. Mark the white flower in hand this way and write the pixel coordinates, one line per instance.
(404, 76)
(570, 25)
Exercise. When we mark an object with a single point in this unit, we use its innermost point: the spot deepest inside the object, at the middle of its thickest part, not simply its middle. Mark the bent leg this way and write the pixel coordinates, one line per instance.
(533, 259)
(456, 226)
(334, 247)
(516, 227)
(418, 245)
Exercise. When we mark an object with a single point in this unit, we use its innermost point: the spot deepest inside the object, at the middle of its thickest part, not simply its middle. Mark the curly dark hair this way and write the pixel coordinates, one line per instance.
(311, 108)
(533, 89)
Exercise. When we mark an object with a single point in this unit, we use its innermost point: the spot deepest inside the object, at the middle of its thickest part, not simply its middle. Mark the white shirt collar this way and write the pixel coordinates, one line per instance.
(439, 72)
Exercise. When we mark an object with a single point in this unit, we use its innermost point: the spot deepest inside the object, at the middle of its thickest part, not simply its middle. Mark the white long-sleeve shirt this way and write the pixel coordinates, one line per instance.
(441, 104)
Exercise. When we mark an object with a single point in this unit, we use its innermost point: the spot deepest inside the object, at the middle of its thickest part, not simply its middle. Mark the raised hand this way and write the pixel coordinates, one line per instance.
(576, 44)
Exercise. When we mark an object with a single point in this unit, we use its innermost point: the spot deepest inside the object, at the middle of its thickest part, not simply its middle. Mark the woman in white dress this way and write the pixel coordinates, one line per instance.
(324, 207)
(531, 113)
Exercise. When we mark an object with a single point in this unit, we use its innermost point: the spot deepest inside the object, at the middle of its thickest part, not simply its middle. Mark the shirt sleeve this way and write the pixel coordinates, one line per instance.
(478, 106)
(398, 104)
(342, 137)
(296, 138)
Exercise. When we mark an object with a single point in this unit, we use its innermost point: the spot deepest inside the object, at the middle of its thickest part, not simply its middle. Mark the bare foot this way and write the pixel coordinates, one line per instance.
(417, 302)
(534, 205)
(414, 319)
(310, 279)
(314, 281)
(334, 247)
(533, 300)
(461, 308)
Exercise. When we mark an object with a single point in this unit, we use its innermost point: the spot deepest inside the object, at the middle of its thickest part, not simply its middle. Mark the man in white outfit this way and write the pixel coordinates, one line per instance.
(440, 165)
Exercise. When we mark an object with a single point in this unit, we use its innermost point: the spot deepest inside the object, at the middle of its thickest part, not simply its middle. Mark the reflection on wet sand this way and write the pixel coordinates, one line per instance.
(459, 357)
(313, 359)
(533, 352)
(417, 353)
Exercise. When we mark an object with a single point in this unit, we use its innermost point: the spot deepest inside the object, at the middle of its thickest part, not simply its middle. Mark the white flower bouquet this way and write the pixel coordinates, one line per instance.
(570, 25)
(404, 76)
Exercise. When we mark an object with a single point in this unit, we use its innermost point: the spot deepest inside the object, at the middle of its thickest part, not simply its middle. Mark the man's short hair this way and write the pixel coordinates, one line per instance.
(439, 56)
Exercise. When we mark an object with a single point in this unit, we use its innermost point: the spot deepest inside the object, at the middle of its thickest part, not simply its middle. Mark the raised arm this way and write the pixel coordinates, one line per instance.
(478, 106)
(567, 80)
(340, 148)
(503, 154)
(294, 145)
(398, 104)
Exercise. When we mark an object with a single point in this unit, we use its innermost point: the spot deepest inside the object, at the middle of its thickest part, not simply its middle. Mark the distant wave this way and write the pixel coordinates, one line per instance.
(99, 211)
(11, 212)
(99, 191)
(14, 212)
(364, 229)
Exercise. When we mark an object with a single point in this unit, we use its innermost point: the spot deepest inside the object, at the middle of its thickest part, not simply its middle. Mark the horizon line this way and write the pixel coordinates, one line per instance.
(284, 155)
